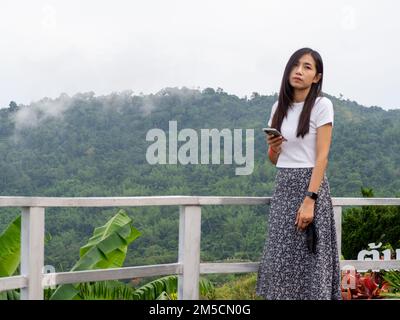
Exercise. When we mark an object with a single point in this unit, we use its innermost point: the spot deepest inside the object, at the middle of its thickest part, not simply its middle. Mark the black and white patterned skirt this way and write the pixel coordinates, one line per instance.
(287, 269)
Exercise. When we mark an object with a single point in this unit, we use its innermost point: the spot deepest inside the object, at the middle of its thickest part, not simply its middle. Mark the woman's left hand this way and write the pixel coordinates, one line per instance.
(305, 214)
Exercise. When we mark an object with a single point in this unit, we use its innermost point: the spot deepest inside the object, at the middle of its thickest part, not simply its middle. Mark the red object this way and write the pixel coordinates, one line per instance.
(367, 286)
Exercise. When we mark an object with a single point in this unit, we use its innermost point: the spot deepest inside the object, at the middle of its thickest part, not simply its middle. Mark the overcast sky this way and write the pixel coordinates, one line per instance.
(50, 47)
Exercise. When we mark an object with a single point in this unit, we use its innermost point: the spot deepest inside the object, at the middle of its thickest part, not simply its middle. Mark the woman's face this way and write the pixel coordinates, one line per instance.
(304, 73)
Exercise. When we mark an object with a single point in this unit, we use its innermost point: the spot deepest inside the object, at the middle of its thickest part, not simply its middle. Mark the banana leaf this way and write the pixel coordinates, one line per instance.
(106, 290)
(10, 295)
(152, 290)
(106, 249)
(165, 288)
(10, 248)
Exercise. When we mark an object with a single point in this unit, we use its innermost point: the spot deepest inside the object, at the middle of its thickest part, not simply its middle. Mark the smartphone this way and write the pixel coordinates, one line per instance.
(274, 132)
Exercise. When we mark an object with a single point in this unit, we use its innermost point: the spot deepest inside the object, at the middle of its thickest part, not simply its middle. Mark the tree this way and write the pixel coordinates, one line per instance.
(13, 106)
(254, 95)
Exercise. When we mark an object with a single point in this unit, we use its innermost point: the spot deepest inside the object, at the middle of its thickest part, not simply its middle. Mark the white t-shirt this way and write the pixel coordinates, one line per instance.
(299, 152)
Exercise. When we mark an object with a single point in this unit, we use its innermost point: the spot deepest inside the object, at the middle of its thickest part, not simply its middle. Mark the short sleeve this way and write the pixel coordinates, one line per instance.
(325, 112)
(274, 106)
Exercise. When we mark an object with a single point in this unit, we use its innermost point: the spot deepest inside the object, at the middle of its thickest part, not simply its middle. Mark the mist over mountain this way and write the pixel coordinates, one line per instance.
(87, 145)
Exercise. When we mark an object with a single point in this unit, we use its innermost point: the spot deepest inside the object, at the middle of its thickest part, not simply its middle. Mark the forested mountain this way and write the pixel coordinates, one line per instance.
(88, 145)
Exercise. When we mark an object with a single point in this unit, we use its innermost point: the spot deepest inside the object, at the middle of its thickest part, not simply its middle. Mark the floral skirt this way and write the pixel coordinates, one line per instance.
(287, 270)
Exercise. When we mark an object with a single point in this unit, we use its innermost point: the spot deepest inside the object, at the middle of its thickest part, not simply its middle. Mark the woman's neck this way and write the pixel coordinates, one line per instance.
(300, 95)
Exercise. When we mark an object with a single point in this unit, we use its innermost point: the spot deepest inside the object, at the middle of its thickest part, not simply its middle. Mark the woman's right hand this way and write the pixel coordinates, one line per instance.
(275, 142)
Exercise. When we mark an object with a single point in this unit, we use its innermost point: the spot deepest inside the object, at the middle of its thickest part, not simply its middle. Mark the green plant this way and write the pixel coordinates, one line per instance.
(9, 295)
(165, 288)
(152, 290)
(105, 290)
(370, 224)
(241, 287)
(393, 279)
(10, 248)
(10, 251)
(106, 249)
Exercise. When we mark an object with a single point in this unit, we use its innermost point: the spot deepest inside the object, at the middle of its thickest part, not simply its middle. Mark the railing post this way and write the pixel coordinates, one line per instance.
(189, 252)
(337, 210)
(32, 252)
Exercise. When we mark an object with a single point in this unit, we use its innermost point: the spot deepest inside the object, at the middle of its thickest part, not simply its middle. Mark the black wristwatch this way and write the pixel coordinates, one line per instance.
(312, 195)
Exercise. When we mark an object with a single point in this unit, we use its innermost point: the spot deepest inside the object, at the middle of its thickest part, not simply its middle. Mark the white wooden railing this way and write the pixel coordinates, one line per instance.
(188, 268)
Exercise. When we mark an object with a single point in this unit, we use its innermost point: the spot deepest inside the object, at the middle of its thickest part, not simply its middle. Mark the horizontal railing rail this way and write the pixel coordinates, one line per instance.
(188, 268)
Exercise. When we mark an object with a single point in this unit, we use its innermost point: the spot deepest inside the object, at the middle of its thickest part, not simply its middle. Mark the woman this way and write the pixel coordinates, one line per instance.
(301, 202)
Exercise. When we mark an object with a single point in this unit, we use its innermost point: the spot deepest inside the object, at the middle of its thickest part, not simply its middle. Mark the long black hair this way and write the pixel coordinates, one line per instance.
(286, 93)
